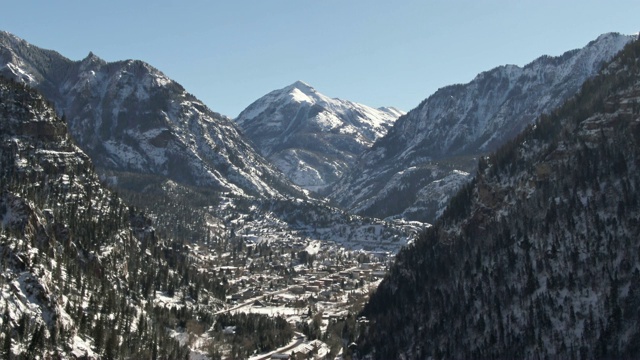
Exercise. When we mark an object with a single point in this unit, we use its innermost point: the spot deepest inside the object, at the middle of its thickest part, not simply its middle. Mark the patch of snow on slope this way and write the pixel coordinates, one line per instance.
(327, 121)
(21, 73)
(300, 97)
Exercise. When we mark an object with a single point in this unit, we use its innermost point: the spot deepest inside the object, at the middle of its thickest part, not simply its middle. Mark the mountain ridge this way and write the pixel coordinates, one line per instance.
(445, 135)
(130, 117)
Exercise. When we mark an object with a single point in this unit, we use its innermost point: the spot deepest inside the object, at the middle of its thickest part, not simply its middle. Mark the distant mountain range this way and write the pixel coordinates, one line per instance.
(411, 171)
(311, 138)
(163, 149)
(431, 151)
(131, 119)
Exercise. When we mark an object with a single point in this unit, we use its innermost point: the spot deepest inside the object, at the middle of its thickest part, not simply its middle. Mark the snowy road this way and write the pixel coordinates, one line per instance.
(298, 339)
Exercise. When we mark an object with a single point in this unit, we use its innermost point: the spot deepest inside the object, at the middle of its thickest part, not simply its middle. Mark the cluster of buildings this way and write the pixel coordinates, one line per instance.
(298, 279)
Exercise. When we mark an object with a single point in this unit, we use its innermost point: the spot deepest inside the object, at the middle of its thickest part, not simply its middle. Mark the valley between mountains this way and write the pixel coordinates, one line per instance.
(136, 222)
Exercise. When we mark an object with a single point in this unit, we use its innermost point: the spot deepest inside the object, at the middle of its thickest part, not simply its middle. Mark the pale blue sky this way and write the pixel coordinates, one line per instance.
(380, 53)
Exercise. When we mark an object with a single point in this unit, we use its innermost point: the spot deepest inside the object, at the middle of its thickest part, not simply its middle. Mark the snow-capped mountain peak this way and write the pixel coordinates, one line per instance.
(302, 86)
(311, 137)
(301, 92)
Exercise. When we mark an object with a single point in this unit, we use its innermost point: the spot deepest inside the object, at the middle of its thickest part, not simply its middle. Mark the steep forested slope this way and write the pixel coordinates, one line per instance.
(539, 255)
(79, 269)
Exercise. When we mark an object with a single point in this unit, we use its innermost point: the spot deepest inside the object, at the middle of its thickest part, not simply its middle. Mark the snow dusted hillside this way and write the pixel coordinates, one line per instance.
(311, 138)
(73, 255)
(440, 140)
(130, 117)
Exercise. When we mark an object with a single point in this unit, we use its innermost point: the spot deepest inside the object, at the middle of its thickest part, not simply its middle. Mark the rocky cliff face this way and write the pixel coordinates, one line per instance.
(311, 138)
(73, 255)
(538, 255)
(411, 171)
(129, 117)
